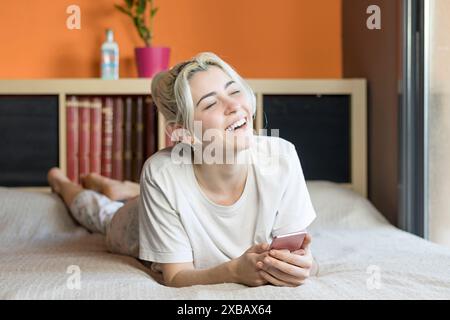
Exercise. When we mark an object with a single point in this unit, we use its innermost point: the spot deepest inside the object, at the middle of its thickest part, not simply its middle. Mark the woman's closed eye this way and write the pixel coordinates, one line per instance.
(232, 93)
(207, 107)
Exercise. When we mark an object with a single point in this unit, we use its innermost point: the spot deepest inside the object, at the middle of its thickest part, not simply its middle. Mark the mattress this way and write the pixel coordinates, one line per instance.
(44, 254)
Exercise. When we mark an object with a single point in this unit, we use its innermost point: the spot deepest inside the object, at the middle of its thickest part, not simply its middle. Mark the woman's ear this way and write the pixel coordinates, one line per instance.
(178, 133)
(170, 128)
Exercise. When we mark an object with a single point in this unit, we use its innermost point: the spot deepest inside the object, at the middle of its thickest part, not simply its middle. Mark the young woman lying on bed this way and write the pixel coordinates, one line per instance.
(206, 209)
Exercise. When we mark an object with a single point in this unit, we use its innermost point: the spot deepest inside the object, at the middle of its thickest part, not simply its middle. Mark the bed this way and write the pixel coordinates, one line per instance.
(360, 256)
(44, 254)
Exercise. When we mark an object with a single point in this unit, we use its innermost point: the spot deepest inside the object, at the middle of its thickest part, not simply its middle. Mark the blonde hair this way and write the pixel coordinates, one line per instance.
(172, 94)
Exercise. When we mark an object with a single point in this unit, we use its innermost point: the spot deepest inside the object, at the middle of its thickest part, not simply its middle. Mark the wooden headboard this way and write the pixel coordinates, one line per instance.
(304, 110)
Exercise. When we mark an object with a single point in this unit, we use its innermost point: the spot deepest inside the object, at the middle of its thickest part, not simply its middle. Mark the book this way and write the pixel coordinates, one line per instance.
(117, 143)
(84, 136)
(107, 137)
(128, 139)
(138, 139)
(110, 135)
(96, 134)
(72, 138)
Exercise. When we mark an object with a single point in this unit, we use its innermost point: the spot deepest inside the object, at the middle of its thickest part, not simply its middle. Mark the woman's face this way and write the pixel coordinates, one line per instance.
(223, 109)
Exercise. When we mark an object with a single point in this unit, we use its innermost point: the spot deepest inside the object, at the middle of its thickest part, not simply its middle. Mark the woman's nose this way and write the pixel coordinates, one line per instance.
(231, 105)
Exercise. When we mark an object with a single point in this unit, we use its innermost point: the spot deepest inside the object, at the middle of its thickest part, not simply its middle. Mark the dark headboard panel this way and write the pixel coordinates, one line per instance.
(28, 139)
(326, 119)
(319, 127)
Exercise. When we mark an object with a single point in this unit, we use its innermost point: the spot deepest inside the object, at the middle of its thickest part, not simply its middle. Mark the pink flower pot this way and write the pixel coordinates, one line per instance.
(151, 60)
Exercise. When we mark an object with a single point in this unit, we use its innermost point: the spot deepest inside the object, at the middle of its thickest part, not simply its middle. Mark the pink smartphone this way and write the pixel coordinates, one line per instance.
(291, 241)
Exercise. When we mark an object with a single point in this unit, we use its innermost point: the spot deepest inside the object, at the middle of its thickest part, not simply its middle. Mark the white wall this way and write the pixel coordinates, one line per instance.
(439, 122)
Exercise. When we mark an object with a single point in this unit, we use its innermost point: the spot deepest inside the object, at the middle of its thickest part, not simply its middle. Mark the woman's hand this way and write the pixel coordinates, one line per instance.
(284, 268)
(245, 268)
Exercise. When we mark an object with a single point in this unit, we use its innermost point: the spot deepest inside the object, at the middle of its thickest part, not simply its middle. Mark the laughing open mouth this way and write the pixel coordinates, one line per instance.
(237, 125)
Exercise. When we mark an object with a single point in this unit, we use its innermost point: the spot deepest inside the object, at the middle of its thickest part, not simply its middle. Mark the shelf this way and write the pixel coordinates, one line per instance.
(80, 86)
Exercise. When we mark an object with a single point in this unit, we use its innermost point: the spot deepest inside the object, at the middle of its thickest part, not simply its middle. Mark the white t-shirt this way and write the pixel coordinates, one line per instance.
(178, 223)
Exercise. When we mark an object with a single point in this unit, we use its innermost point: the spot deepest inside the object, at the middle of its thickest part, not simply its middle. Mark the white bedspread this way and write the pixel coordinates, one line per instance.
(360, 256)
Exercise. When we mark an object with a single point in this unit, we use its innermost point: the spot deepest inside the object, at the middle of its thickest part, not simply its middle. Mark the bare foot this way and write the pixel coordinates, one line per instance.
(113, 189)
(93, 181)
(62, 185)
(56, 178)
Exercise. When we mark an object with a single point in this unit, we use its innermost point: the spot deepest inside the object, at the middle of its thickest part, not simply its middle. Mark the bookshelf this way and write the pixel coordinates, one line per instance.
(61, 89)
(302, 94)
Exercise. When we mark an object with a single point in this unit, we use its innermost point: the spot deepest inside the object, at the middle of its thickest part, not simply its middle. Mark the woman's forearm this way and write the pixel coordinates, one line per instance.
(223, 273)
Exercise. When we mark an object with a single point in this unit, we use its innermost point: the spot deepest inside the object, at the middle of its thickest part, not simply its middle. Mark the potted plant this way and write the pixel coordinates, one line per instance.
(150, 60)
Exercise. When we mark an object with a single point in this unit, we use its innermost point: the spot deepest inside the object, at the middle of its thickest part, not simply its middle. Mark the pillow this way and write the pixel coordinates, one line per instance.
(29, 216)
(339, 207)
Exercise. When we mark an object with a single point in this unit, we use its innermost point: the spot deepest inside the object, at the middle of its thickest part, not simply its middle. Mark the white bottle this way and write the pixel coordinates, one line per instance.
(110, 57)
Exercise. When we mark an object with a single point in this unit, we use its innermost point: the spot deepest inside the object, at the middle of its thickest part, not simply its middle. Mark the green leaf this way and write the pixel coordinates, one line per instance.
(129, 3)
(142, 29)
(123, 10)
(137, 22)
(144, 32)
(136, 9)
(140, 9)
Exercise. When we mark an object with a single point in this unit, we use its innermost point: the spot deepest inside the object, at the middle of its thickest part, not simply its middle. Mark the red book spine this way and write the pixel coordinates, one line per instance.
(107, 137)
(138, 158)
(72, 138)
(96, 135)
(128, 139)
(84, 136)
(117, 152)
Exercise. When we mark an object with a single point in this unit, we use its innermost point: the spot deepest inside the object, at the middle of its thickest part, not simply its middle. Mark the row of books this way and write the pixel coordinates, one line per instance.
(109, 135)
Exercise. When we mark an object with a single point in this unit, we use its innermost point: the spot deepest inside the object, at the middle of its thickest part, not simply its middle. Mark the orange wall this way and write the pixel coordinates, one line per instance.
(260, 38)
